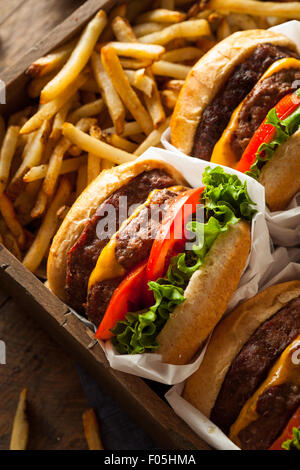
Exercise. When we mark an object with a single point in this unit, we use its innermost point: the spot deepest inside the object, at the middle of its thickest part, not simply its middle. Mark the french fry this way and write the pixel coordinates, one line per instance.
(122, 30)
(238, 22)
(161, 15)
(77, 60)
(87, 110)
(39, 172)
(59, 119)
(137, 50)
(154, 105)
(169, 69)
(141, 81)
(135, 64)
(192, 29)
(153, 139)
(169, 98)
(40, 205)
(252, 7)
(6, 154)
(83, 125)
(94, 162)
(174, 85)
(114, 69)
(55, 166)
(223, 30)
(182, 54)
(91, 430)
(37, 84)
(2, 129)
(119, 10)
(130, 128)
(20, 431)
(8, 213)
(147, 28)
(121, 143)
(81, 182)
(33, 155)
(97, 147)
(48, 110)
(48, 228)
(110, 96)
(52, 61)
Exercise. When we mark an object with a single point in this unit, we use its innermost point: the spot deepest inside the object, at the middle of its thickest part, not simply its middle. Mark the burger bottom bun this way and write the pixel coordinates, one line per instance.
(203, 387)
(207, 296)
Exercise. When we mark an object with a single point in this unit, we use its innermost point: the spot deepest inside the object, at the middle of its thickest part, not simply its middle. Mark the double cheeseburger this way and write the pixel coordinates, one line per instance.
(249, 381)
(121, 258)
(240, 107)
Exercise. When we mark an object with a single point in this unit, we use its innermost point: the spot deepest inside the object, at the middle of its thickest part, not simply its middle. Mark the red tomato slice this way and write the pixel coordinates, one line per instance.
(125, 298)
(266, 132)
(294, 422)
(170, 239)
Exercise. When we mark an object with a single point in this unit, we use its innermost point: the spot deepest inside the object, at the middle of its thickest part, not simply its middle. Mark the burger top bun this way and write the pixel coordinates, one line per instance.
(203, 387)
(207, 77)
(85, 207)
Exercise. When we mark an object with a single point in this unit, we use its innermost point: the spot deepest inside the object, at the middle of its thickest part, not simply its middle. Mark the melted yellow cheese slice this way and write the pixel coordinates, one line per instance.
(285, 370)
(223, 153)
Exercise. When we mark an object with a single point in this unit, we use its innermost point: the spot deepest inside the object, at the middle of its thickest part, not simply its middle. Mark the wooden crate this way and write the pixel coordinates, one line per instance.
(140, 401)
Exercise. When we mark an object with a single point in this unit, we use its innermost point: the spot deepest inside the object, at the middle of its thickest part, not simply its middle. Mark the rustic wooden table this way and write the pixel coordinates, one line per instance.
(56, 399)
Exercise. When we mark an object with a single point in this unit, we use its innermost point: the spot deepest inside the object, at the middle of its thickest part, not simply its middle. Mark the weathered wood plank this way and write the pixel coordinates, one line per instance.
(26, 22)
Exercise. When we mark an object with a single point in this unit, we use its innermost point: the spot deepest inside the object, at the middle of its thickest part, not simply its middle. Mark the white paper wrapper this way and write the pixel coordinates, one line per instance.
(285, 268)
(149, 365)
(284, 226)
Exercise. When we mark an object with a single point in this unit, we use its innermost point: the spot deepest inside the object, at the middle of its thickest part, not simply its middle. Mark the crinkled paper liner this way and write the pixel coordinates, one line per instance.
(284, 226)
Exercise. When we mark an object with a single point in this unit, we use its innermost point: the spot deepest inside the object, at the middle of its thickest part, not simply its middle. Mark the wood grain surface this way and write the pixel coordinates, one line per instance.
(24, 22)
(56, 400)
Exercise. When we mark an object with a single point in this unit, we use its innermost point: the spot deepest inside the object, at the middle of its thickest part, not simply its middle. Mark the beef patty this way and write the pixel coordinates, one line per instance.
(275, 407)
(251, 366)
(217, 114)
(264, 96)
(83, 256)
(133, 245)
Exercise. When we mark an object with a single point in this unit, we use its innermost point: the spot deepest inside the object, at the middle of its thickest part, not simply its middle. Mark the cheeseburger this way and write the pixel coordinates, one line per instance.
(240, 107)
(135, 278)
(249, 381)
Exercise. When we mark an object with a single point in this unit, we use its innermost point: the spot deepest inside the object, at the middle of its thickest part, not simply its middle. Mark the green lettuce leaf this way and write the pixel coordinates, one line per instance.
(294, 443)
(284, 129)
(226, 202)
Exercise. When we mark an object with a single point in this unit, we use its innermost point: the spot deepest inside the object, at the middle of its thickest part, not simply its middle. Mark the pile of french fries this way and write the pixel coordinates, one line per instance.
(103, 99)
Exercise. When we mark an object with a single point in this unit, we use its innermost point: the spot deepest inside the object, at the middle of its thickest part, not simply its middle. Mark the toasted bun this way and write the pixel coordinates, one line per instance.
(281, 175)
(207, 296)
(84, 208)
(203, 387)
(207, 77)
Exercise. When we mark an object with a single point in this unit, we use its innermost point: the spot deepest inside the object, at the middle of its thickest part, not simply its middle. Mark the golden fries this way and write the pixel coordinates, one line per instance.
(48, 228)
(141, 81)
(147, 28)
(187, 29)
(87, 110)
(154, 105)
(48, 110)
(169, 69)
(110, 96)
(39, 172)
(252, 7)
(20, 431)
(91, 430)
(122, 30)
(52, 61)
(77, 60)
(161, 16)
(94, 162)
(153, 139)
(6, 154)
(137, 51)
(182, 54)
(8, 213)
(97, 147)
(122, 85)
